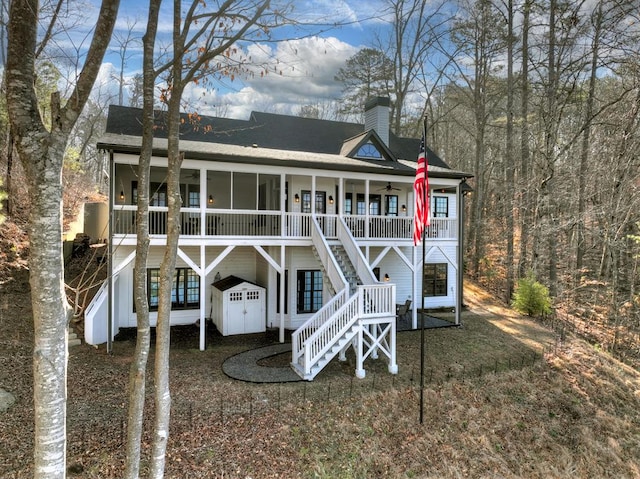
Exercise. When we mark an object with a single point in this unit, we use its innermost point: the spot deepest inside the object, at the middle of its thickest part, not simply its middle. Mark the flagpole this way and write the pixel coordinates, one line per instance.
(424, 194)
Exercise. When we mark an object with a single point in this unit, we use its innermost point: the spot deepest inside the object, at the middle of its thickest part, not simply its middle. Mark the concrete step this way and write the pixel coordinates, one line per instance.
(73, 339)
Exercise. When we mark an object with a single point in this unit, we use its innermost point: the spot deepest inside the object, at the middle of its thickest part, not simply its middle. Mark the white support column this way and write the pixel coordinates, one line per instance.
(360, 372)
(393, 364)
(282, 291)
(366, 212)
(204, 195)
(283, 202)
(203, 298)
(374, 330)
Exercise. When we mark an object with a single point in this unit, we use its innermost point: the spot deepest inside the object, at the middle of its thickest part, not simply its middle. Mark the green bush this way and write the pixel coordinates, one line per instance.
(531, 297)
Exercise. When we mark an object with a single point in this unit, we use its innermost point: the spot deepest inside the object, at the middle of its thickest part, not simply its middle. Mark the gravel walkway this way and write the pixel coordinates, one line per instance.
(245, 367)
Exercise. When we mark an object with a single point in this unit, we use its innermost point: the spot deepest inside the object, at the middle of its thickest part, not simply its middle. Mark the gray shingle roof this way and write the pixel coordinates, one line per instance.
(308, 140)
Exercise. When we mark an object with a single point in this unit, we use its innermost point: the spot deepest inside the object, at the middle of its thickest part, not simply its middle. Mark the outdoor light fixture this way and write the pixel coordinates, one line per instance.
(121, 195)
(330, 199)
(404, 208)
(296, 198)
(386, 277)
(210, 199)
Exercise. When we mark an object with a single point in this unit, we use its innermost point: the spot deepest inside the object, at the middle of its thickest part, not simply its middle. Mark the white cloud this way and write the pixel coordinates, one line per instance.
(299, 72)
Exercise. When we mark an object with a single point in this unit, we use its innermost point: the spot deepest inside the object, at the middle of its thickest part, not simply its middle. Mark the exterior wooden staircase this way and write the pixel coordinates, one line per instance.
(361, 316)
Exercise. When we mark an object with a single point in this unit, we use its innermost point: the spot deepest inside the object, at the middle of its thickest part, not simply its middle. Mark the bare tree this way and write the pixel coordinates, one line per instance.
(124, 40)
(138, 370)
(417, 26)
(41, 151)
(480, 36)
(201, 36)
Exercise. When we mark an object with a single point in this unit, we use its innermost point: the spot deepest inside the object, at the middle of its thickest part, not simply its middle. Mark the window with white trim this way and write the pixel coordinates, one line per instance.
(185, 290)
(309, 291)
(435, 279)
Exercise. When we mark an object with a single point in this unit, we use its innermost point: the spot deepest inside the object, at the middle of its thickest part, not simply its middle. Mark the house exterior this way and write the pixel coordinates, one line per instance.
(318, 213)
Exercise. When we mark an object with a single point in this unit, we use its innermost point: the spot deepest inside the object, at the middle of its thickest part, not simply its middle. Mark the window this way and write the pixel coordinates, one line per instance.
(158, 193)
(369, 151)
(185, 292)
(320, 204)
(391, 205)
(134, 192)
(435, 279)
(361, 205)
(348, 204)
(190, 195)
(309, 291)
(306, 201)
(440, 207)
(286, 292)
(374, 205)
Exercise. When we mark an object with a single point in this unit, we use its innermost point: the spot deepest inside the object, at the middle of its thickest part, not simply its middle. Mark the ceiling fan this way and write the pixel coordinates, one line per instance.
(389, 188)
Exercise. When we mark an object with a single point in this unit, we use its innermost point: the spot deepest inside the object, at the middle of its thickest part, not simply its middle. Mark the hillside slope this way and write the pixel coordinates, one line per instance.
(504, 398)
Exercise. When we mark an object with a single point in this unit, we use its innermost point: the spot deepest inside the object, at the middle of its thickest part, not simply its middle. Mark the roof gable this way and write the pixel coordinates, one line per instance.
(273, 131)
(352, 147)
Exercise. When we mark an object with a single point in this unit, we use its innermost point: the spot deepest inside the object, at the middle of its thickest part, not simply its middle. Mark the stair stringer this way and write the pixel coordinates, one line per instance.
(364, 320)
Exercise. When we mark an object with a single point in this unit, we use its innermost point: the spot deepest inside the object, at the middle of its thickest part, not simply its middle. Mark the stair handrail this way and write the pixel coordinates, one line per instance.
(370, 301)
(329, 262)
(300, 335)
(339, 283)
(329, 333)
(354, 253)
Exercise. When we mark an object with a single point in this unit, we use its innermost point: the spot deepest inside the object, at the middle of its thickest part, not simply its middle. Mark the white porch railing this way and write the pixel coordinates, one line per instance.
(333, 272)
(215, 223)
(316, 338)
(243, 223)
(354, 252)
(300, 336)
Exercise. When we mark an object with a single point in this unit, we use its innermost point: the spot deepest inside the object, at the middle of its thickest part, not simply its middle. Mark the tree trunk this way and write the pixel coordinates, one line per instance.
(525, 202)
(509, 162)
(137, 374)
(548, 218)
(167, 267)
(51, 313)
(586, 141)
(41, 152)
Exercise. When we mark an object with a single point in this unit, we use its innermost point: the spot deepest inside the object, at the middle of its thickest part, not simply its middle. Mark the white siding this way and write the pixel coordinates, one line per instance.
(240, 262)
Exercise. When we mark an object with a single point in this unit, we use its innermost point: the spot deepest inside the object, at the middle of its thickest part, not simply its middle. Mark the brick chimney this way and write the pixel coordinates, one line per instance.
(376, 116)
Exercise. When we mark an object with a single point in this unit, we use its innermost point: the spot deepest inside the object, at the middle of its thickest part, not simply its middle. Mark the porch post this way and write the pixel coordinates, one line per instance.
(460, 252)
(203, 298)
(360, 372)
(110, 295)
(393, 364)
(282, 295)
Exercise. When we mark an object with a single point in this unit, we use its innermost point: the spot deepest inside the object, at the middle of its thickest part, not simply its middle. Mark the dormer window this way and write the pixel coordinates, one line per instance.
(369, 151)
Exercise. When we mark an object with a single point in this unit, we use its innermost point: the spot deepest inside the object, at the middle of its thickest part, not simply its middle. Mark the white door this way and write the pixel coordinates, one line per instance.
(244, 312)
(235, 313)
(254, 321)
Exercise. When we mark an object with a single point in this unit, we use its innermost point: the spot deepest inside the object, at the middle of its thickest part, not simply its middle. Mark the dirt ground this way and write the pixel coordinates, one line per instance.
(227, 428)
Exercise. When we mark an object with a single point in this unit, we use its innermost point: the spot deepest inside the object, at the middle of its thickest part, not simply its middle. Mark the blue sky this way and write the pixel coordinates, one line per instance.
(310, 63)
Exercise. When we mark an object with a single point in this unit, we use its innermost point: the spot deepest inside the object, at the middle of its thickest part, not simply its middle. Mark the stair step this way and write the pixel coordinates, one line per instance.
(72, 338)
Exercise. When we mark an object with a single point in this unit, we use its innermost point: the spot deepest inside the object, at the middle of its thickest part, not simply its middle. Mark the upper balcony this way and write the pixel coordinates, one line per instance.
(221, 206)
(236, 224)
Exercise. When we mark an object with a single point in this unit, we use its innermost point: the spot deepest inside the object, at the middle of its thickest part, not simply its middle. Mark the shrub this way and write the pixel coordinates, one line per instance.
(531, 297)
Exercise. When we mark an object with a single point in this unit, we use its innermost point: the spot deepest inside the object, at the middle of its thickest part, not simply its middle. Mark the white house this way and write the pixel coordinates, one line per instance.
(317, 213)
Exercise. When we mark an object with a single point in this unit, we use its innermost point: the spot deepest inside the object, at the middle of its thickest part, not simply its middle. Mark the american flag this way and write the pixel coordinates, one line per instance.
(421, 189)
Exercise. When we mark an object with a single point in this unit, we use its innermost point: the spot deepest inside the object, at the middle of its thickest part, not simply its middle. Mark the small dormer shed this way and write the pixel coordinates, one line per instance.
(239, 306)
